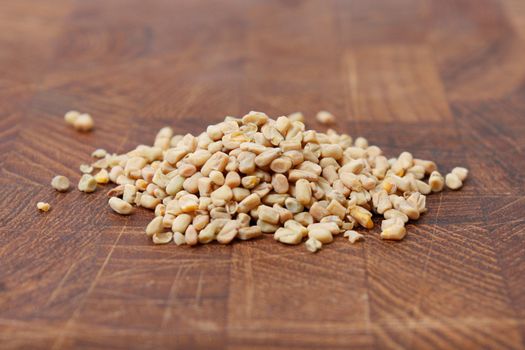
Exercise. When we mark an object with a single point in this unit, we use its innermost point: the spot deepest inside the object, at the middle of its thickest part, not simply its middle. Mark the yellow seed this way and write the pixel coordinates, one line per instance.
(43, 206)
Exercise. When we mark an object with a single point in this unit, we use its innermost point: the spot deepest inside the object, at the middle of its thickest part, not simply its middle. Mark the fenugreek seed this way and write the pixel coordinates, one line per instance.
(428, 165)
(181, 223)
(102, 177)
(265, 158)
(257, 118)
(187, 170)
(83, 122)
(233, 179)
(333, 218)
(362, 216)
(393, 213)
(330, 226)
(129, 193)
(287, 236)
(436, 181)
(304, 218)
(262, 189)
(250, 181)
(217, 177)
(282, 124)
(325, 117)
(160, 209)
(303, 191)
(191, 184)
(460, 172)
(175, 185)
(313, 245)
(43, 206)
(178, 238)
(60, 183)
(353, 236)
(317, 211)
(191, 236)
(222, 193)
(162, 238)
(207, 234)
(453, 181)
(87, 183)
(423, 187)
(268, 214)
(199, 157)
(228, 232)
(394, 232)
(293, 205)
(281, 165)
(155, 226)
(296, 174)
(120, 206)
(99, 153)
(246, 233)
(189, 203)
(321, 234)
(337, 209)
(361, 142)
(296, 226)
(86, 169)
(296, 116)
(267, 227)
(253, 147)
(249, 203)
(71, 116)
(409, 210)
(123, 179)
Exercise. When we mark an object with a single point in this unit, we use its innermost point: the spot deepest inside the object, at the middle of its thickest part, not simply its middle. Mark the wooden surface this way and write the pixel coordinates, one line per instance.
(444, 79)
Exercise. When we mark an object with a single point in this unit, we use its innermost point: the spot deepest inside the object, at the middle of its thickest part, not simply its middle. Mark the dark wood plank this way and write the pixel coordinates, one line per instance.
(443, 79)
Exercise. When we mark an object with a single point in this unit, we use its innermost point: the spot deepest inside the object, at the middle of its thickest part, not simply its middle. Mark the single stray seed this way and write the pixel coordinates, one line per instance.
(43, 206)
(120, 206)
(60, 183)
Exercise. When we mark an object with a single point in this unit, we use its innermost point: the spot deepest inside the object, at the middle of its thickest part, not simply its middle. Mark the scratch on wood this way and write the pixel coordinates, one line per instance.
(60, 340)
(507, 205)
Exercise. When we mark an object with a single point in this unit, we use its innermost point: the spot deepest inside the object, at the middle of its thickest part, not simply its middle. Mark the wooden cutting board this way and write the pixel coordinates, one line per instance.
(443, 79)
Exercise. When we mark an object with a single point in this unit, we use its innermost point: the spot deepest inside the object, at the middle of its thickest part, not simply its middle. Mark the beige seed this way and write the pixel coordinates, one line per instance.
(71, 116)
(83, 122)
(250, 181)
(99, 153)
(436, 181)
(321, 234)
(317, 211)
(119, 206)
(181, 223)
(296, 226)
(266, 157)
(148, 201)
(313, 245)
(460, 172)
(362, 216)
(453, 181)
(296, 116)
(325, 117)
(228, 232)
(129, 193)
(222, 193)
(394, 232)
(303, 191)
(43, 206)
(304, 218)
(281, 165)
(268, 214)
(287, 236)
(293, 205)
(393, 213)
(86, 169)
(267, 227)
(191, 236)
(87, 184)
(233, 179)
(337, 209)
(60, 183)
(102, 177)
(353, 236)
(246, 233)
(179, 239)
(155, 226)
(217, 177)
(162, 238)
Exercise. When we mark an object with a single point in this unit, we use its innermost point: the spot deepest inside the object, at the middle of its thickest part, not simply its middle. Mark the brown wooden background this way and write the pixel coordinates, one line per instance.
(444, 79)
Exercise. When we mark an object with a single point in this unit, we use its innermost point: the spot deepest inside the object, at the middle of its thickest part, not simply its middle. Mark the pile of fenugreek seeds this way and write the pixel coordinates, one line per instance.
(252, 175)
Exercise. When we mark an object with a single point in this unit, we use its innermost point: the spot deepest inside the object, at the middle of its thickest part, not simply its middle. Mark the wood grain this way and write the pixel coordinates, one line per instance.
(444, 79)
